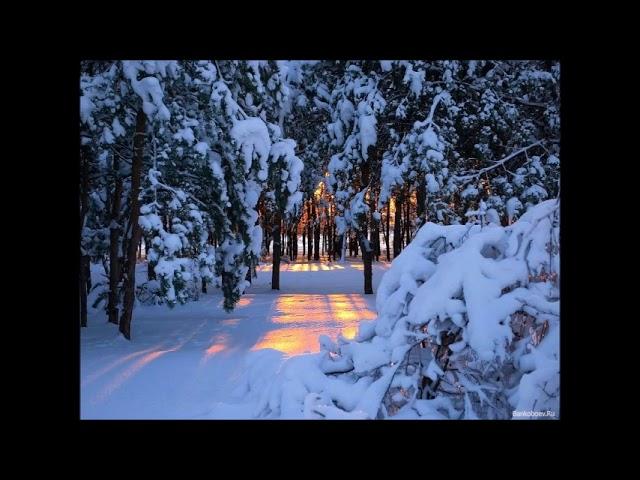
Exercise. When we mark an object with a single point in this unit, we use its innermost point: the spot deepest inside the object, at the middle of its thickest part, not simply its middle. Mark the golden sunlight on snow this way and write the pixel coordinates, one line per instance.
(305, 315)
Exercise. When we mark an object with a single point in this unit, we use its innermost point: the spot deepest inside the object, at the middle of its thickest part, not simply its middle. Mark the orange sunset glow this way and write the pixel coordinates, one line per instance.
(314, 311)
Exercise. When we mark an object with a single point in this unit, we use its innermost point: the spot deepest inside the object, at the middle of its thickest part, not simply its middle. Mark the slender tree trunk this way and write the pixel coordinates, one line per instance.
(309, 232)
(397, 226)
(136, 231)
(287, 230)
(365, 243)
(114, 245)
(88, 274)
(275, 270)
(375, 227)
(304, 242)
(367, 254)
(292, 242)
(283, 238)
(287, 237)
(316, 234)
(386, 234)
(247, 277)
(204, 286)
(151, 272)
(332, 246)
(421, 204)
(264, 236)
(295, 242)
(407, 223)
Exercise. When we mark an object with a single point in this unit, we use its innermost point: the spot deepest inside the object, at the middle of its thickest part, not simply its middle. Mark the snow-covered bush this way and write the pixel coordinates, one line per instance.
(467, 328)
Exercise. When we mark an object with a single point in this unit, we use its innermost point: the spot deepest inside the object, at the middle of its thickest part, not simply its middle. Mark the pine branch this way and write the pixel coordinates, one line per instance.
(468, 178)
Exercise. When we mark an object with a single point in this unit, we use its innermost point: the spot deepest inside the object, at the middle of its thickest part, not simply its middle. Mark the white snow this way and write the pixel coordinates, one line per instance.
(197, 362)
(447, 272)
(367, 126)
(252, 138)
(148, 88)
(202, 148)
(312, 350)
(385, 65)
(118, 129)
(86, 109)
(185, 134)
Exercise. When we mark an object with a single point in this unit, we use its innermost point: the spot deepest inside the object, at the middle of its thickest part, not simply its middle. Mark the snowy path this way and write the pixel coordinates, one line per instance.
(183, 362)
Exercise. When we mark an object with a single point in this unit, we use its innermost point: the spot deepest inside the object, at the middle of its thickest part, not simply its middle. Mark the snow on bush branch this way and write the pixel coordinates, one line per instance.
(467, 327)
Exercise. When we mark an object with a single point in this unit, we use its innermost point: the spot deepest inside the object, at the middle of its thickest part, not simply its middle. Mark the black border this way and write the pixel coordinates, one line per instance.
(66, 190)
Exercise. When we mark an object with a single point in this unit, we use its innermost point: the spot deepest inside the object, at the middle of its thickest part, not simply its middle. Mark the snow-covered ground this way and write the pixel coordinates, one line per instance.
(190, 362)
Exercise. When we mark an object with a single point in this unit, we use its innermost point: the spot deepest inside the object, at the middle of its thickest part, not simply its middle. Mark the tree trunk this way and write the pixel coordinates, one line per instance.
(367, 254)
(332, 241)
(282, 240)
(365, 244)
(375, 228)
(407, 223)
(397, 226)
(275, 270)
(291, 242)
(114, 244)
(316, 234)
(136, 231)
(309, 232)
(151, 272)
(304, 242)
(247, 277)
(88, 274)
(386, 232)
(421, 204)
(295, 242)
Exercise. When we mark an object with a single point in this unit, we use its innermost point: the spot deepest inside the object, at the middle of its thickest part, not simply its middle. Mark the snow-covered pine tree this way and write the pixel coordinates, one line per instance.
(502, 134)
(112, 95)
(497, 130)
(193, 179)
(244, 145)
(284, 200)
(262, 88)
(417, 164)
(101, 105)
(145, 78)
(309, 83)
(356, 100)
(184, 190)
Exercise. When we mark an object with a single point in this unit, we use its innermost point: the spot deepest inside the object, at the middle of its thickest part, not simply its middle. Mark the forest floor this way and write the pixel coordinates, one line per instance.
(188, 362)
